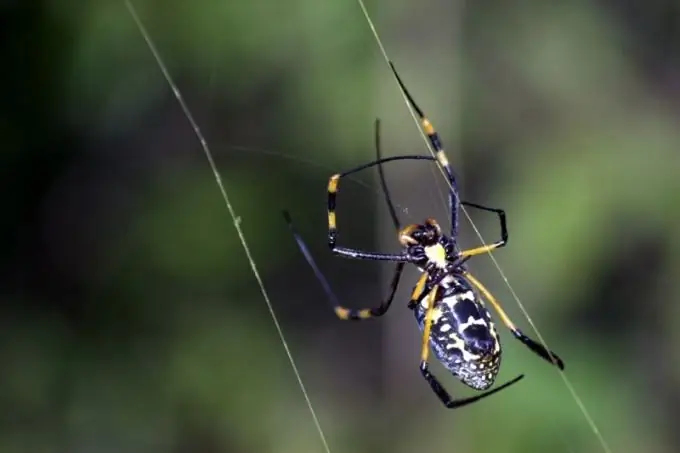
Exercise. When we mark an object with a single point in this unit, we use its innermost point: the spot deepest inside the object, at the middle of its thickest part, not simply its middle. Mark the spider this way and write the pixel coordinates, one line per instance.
(448, 302)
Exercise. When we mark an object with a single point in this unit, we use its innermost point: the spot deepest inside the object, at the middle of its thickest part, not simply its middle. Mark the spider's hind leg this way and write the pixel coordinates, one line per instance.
(446, 399)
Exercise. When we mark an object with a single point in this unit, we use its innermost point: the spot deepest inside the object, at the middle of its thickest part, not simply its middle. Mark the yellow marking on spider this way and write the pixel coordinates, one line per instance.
(436, 254)
(479, 250)
(365, 314)
(405, 235)
(497, 306)
(342, 313)
(427, 126)
(418, 290)
(333, 183)
(405, 240)
(425, 348)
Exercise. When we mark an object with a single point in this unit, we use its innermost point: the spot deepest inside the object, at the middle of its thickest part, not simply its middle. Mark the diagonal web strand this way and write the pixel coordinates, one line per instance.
(567, 382)
(237, 225)
(237, 220)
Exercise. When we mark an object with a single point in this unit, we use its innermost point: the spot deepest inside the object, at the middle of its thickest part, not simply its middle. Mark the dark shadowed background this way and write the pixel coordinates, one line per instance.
(131, 320)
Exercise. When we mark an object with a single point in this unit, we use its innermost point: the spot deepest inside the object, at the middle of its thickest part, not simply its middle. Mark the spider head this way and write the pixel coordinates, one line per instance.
(425, 234)
(427, 245)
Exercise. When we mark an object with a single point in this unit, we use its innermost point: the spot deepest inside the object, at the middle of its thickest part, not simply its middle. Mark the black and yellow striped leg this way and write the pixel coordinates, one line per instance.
(435, 141)
(344, 312)
(435, 385)
(332, 221)
(537, 348)
(504, 232)
(333, 230)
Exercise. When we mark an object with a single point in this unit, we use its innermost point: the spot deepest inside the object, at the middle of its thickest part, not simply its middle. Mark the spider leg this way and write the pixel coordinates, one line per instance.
(390, 206)
(435, 385)
(435, 141)
(420, 291)
(504, 231)
(333, 183)
(383, 182)
(454, 201)
(536, 347)
(342, 312)
(445, 397)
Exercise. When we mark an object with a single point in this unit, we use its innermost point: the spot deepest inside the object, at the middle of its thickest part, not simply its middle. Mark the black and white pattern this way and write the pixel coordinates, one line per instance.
(463, 337)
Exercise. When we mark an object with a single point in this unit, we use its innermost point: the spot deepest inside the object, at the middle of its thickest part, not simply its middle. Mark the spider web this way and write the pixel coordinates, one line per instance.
(237, 220)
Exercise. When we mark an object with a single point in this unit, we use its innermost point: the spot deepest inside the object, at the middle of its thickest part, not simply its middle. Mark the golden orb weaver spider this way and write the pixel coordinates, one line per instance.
(447, 300)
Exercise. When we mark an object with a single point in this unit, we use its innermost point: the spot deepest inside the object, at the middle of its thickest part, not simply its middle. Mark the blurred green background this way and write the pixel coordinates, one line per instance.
(131, 321)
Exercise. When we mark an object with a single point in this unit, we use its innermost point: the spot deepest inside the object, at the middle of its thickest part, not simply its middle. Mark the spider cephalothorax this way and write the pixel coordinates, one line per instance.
(427, 246)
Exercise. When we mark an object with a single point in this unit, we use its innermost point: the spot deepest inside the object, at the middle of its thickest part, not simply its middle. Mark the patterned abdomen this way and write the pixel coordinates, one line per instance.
(463, 337)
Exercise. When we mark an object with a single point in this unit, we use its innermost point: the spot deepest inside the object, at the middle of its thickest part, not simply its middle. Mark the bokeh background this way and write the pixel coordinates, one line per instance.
(132, 322)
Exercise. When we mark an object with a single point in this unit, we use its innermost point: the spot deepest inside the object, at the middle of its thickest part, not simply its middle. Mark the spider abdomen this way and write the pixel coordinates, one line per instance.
(462, 336)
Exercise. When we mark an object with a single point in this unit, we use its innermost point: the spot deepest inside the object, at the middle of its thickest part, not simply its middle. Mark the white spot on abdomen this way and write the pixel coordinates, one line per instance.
(459, 344)
(471, 322)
